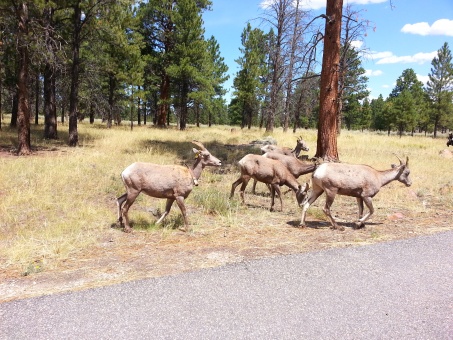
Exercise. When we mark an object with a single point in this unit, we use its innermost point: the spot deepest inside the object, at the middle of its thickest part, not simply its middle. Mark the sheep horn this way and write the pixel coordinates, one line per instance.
(401, 162)
(199, 144)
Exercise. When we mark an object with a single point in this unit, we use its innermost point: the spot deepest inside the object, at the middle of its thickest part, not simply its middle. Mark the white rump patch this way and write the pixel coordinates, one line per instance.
(321, 171)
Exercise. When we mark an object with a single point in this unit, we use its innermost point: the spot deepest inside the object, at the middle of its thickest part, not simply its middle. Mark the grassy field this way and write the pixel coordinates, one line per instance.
(58, 207)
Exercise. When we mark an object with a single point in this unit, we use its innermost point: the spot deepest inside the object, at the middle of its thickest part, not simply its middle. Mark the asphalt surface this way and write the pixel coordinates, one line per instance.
(395, 290)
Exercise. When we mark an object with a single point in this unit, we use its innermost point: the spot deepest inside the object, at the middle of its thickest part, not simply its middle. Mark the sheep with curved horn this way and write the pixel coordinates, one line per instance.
(173, 182)
(356, 180)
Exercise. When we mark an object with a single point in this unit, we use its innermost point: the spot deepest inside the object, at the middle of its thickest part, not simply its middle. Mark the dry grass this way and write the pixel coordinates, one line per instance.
(58, 206)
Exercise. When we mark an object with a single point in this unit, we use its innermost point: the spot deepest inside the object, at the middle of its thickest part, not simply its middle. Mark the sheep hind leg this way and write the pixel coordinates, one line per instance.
(234, 186)
(130, 199)
(361, 222)
(245, 181)
(329, 201)
(119, 202)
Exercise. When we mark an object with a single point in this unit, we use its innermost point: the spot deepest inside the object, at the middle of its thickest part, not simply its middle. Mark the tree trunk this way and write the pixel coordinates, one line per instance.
(1, 98)
(74, 95)
(91, 113)
(37, 100)
(327, 129)
(289, 80)
(111, 92)
(23, 108)
(183, 108)
(50, 109)
(139, 103)
(164, 98)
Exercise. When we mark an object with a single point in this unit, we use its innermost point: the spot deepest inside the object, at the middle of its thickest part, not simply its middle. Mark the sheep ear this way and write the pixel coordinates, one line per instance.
(196, 152)
(307, 186)
(407, 161)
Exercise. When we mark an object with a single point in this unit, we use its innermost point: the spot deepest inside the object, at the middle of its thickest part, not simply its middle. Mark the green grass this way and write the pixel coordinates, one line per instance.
(59, 201)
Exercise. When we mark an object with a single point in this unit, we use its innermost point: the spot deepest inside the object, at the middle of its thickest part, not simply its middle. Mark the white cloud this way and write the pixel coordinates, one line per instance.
(418, 58)
(385, 86)
(439, 27)
(371, 73)
(423, 79)
(381, 55)
(357, 44)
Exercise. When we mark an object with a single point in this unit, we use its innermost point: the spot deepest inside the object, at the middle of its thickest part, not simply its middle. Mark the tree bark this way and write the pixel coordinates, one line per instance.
(23, 108)
(164, 97)
(50, 107)
(327, 128)
(74, 95)
(183, 108)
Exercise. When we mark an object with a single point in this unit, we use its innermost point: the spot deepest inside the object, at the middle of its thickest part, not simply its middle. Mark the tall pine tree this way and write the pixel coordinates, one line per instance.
(440, 88)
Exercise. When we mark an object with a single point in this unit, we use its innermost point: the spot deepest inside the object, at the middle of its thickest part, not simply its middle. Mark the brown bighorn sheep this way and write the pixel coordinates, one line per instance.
(295, 166)
(173, 182)
(360, 181)
(300, 146)
(271, 172)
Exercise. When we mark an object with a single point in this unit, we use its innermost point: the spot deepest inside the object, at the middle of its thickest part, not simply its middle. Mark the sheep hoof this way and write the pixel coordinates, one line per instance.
(127, 229)
(302, 225)
(359, 225)
(337, 227)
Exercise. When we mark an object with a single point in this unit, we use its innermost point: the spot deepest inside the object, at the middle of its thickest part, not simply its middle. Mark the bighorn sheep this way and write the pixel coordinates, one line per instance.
(295, 166)
(173, 182)
(300, 146)
(268, 171)
(360, 181)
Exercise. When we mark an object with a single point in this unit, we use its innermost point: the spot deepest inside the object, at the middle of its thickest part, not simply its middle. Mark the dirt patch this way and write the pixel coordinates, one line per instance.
(119, 257)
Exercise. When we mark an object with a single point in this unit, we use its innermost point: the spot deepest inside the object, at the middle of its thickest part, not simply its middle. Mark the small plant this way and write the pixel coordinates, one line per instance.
(33, 268)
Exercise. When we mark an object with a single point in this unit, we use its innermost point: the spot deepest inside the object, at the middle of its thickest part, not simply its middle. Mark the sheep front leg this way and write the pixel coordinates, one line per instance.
(360, 206)
(182, 207)
(167, 210)
(314, 194)
(361, 222)
(275, 188)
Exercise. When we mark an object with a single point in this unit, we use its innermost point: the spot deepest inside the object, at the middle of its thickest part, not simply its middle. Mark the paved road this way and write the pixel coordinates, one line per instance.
(394, 290)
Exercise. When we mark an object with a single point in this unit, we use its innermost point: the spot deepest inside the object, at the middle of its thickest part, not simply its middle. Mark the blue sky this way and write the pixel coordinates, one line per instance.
(405, 36)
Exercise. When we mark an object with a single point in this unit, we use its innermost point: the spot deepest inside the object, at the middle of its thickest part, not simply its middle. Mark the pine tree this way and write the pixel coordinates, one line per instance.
(440, 87)
(248, 82)
(411, 90)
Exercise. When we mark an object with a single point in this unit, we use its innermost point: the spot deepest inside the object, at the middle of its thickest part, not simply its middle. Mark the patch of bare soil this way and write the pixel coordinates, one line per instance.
(119, 257)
